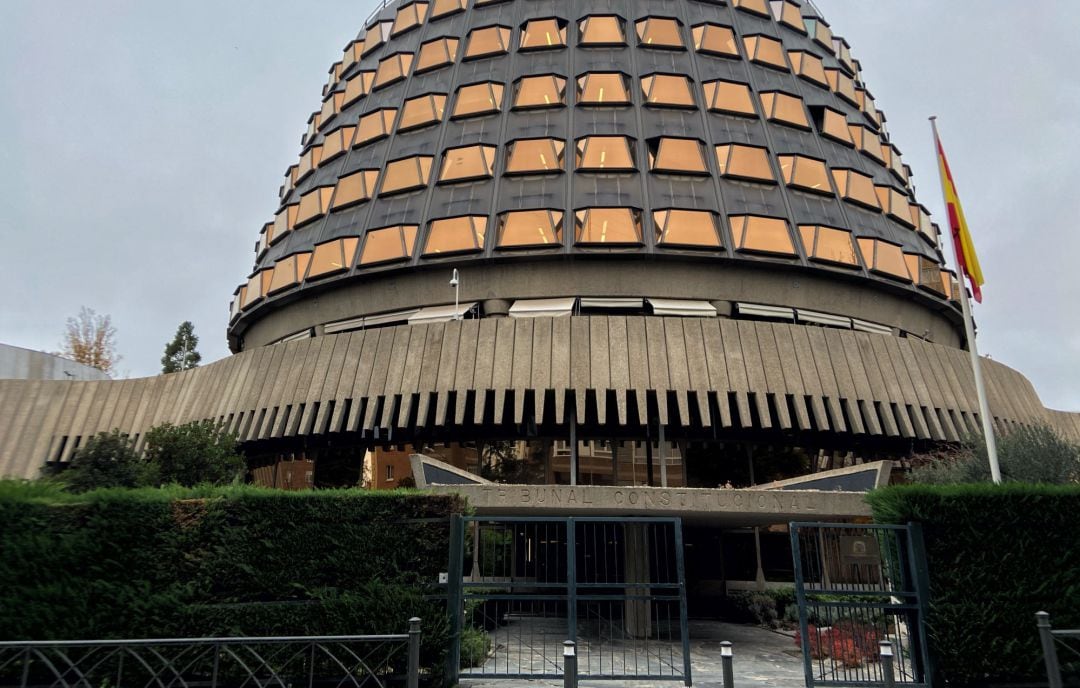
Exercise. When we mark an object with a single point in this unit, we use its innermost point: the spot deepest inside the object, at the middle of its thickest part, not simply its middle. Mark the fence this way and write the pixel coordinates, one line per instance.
(1052, 639)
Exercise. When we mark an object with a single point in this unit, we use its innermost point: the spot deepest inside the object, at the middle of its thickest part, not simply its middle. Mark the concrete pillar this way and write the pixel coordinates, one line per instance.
(496, 308)
(638, 619)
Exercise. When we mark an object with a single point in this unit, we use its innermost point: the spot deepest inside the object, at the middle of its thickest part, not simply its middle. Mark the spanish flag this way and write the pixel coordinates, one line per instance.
(967, 261)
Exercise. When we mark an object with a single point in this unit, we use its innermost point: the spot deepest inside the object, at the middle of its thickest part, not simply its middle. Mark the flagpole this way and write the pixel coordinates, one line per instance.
(969, 327)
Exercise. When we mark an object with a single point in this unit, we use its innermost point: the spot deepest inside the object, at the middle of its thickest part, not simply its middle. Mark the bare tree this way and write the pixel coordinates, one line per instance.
(90, 339)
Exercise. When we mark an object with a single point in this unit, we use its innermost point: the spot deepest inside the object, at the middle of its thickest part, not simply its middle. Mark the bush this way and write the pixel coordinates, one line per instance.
(773, 608)
(1026, 454)
(107, 460)
(194, 454)
(996, 554)
(475, 646)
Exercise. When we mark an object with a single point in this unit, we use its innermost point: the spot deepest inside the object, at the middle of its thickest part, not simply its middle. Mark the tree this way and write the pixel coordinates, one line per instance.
(90, 339)
(107, 460)
(194, 454)
(1027, 454)
(180, 353)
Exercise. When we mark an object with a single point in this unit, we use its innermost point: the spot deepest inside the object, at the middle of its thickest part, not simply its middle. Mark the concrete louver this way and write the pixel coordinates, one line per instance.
(391, 383)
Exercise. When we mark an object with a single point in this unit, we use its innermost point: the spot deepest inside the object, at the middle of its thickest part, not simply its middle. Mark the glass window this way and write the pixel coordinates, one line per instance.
(809, 67)
(761, 234)
(715, 39)
(729, 96)
(920, 218)
(409, 17)
(895, 204)
(309, 162)
(542, 34)
(392, 69)
(660, 32)
(488, 41)
(788, 14)
(331, 107)
(834, 125)
(358, 86)
(542, 91)
(829, 245)
(355, 188)
(804, 173)
(530, 228)
(668, 90)
(257, 286)
(602, 30)
(467, 163)
(422, 111)
(444, 8)
(785, 109)
(820, 32)
(744, 162)
(435, 54)
(866, 104)
(337, 142)
(843, 53)
(765, 50)
(895, 163)
(842, 85)
(759, 7)
(284, 222)
(237, 302)
(856, 187)
(406, 174)
(478, 99)
(456, 235)
(884, 258)
(676, 155)
(605, 154)
(349, 57)
(374, 126)
(535, 156)
(603, 88)
(867, 142)
(376, 35)
(388, 244)
(686, 228)
(332, 257)
(608, 226)
(265, 235)
(314, 204)
(289, 271)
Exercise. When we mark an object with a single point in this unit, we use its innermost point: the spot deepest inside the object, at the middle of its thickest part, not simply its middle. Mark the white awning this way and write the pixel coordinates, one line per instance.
(612, 302)
(864, 326)
(389, 318)
(441, 313)
(537, 308)
(759, 310)
(824, 319)
(683, 307)
(343, 326)
(302, 334)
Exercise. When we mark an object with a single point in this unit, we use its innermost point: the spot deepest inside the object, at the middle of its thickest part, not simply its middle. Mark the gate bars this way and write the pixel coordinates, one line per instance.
(524, 585)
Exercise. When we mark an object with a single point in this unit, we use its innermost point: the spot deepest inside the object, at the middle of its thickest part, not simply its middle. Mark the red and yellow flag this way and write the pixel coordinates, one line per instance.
(967, 261)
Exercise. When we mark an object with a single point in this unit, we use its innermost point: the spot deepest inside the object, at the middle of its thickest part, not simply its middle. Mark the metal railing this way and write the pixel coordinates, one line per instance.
(1051, 639)
(276, 662)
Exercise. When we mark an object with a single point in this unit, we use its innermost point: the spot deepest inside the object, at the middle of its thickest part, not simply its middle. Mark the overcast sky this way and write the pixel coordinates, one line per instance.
(143, 144)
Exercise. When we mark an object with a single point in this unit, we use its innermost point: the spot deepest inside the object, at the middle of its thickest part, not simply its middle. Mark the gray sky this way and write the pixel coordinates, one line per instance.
(144, 143)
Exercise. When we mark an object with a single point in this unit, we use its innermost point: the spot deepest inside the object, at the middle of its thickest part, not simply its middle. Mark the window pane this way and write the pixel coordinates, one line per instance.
(309, 161)
(834, 125)
(284, 222)
(422, 111)
(744, 162)
(765, 50)
(755, 6)
(729, 96)
(406, 174)
(443, 8)
(469, 162)
(656, 32)
(884, 258)
(784, 108)
(669, 154)
(809, 67)
(541, 34)
(456, 235)
(842, 85)
(715, 39)
(688, 228)
(491, 40)
(540, 92)
(608, 226)
(535, 156)
(828, 245)
(289, 271)
(257, 286)
(856, 187)
(314, 204)
(337, 142)
(805, 173)
(375, 36)
(355, 188)
(761, 234)
(409, 17)
(437, 53)
(392, 69)
(787, 13)
(602, 30)
(332, 257)
(603, 88)
(478, 99)
(667, 89)
(388, 244)
(530, 228)
(605, 154)
(895, 204)
(374, 126)
(867, 142)
(358, 86)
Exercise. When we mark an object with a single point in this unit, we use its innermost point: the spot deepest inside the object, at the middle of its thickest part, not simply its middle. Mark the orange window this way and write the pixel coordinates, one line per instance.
(374, 125)
(409, 17)
(388, 244)
(762, 234)
(543, 91)
(488, 41)
(867, 142)
(866, 104)
(896, 163)
(435, 54)
(422, 111)
(857, 188)
(829, 245)
(456, 235)
(788, 14)
(895, 204)
(605, 154)
(392, 69)
(884, 258)
(659, 32)
(355, 188)
(730, 97)
(284, 222)
(929, 273)
(358, 86)
(337, 142)
(444, 8)
(257, 287)
(820, 32)
(265, 235)
(759, 7)
(603, 88)
(668, 90)
(314, 204)
(677, 155)
(602, 30)
(406, 174)
(543, 34)
(467, 163)
(332, 257)
(744, 162)
(535, 156)
(834, 125)
(530, 228)
(809, 67)
(842, 85)
(715, 39)
(686, 228)
(288, 272)
(309, 161)
(805, 173)
(765, 51)
(604, 226)
(331, 107)
(478, 99)
(237, 302)
(375, 36)
(785, 109)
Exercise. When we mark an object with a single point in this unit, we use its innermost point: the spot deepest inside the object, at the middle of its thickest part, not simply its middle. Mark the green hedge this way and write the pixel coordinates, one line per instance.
(221, 561)
(996, 555)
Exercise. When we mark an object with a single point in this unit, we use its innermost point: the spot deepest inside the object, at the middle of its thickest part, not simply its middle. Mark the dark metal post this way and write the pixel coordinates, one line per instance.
(684, 626)
(800, 598)
(1046, 636)
(727, 659)
(26, 668)
(571, 577)
(413, 680)
(217, 663)
(886, 652)
(454, 606)
(569, 661)
(916, 550)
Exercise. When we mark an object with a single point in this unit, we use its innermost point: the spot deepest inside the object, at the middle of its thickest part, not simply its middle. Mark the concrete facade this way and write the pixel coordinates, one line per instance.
(17, 363)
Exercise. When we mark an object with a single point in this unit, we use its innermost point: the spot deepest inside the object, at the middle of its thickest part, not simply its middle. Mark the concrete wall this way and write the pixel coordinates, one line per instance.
(17, 363)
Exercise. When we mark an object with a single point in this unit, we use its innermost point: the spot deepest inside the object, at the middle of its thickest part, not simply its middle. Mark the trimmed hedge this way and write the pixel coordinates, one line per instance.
(996, 555)
(221, 561)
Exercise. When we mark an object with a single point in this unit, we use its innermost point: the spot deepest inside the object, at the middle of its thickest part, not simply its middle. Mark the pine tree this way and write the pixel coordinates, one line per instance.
(180, 353)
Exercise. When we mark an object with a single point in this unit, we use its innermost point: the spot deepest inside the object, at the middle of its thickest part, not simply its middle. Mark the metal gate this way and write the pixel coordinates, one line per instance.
(525, 585)
(857, 586)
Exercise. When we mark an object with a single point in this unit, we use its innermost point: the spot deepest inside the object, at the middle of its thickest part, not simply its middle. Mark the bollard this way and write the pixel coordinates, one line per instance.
(569, 658)
(413, 680)
(1046, 637)
(887, 663)
(727, 659)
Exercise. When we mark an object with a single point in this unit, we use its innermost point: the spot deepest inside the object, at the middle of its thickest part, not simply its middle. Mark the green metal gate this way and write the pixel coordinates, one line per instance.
(522, 586)
(857, 586)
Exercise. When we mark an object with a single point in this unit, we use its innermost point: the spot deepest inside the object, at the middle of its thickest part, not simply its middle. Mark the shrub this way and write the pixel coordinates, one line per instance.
(475, 646)
(107, 460)
(194, 454)
(1027, 454)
